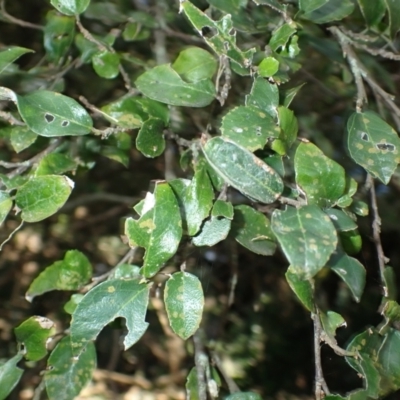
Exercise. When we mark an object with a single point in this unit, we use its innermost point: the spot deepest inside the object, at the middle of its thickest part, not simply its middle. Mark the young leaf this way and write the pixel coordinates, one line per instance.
(249, 127)
(162, 83)
(70, 7)
(150, 140)
(9, 55)
(42, 196)
(10, 375)
(158, 230)
(281, 36)
(265, 96)
(322, 179)
(5, 205)
(67, 373)
(268, 67)
(34, 334)
(184, 302)
(195, 64)
(53, 114)
(101, 305)
(243, 170)
(106, 64)
(71, 273)
(223, 39)
(307, 237)
(302, 288)
(252, 230)
(373, 144)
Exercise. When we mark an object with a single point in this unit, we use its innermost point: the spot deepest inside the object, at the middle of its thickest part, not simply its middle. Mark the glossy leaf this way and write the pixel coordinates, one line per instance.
(103, 304)
(67, 373)
(268, 67)
(42, 196)
(288, 133)
(72, 303)
(70, 7)
(372, 11)
(243, 170)
(249, 127)
(10, 375)
(53, 114)
(252, 230)
(34, 334)
(5, 205)
(307, 237)
(322, 179)
(71, 273)
(393, 7)
(162, 83)
(328, 11)
(360, 208)
(59, 34)
(150, 140)
(21, 137)
(373, 144)
(194, 64)
(213, 231)
(184, 302)
(281, 36)
(9, 55)
(264, 95)
(55, 163)
(351, 241)
(342, 221)
(106, 64)
(302, 288)
(223, 39)
(158, 230)
(198, 201)
(308, 6)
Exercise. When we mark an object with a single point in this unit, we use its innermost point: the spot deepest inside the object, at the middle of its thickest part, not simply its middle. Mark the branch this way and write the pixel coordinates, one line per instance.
(232, 387)
(200, 360)
(11, 119)
(17, 21)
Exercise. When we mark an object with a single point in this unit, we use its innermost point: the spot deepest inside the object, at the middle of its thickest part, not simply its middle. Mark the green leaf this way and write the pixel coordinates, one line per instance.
(72, 303)
(67, 373)
(307, 237)
(55, 164)
(53, 114)
(331, 321)
(360, 208)
(106, 64)
(302, 288)
(252, 230)
(115, 154)
(243, 170)
(10, 375)
(34, 334)
(71, 273)
(21, 137)
(223, 38)
(162, 83)
(290, 94)
(134, 31)
(126, 271)
(390, 287)
(158, 230)
(288, 132)
(70, 7)
(244, 396)
(194, 64)
(264, 95)
(59, 33)
(281, 36)
(322, 179)
(373, 144)
(150, 140)
(9, 55)
(249, 127)
(389, 357)
(268, 67)
(5, 205)
(222, 209)
(372, 11)
(184, 302)
(103, 304)
(328, 11)
(342, 221)
(192, 386)
(393, 7)
(308, 6)
(43, 196)
(351, 241)
(198, 201)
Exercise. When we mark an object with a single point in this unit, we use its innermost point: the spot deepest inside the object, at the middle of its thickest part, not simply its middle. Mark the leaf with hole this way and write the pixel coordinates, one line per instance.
(243, 170)
(10, 375)
(184, 302)
(103, 304)
(9, 55)
(252, 230)
(68, 371)
(331, 321)
(373, 144)
(164, 84)
(249, 127)
(71, 273)
(43, 196)
(302, 289)
(307, 237)
(34, 334)
(70, 7)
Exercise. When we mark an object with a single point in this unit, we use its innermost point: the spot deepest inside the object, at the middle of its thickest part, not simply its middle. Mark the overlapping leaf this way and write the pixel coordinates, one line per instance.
(302, 288)
(70, 7)
(9, 55)
(264, 95)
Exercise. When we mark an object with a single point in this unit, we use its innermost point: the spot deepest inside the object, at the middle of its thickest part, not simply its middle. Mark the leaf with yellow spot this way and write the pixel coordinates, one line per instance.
(373, 144)
(184, 302)
(307, 237)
